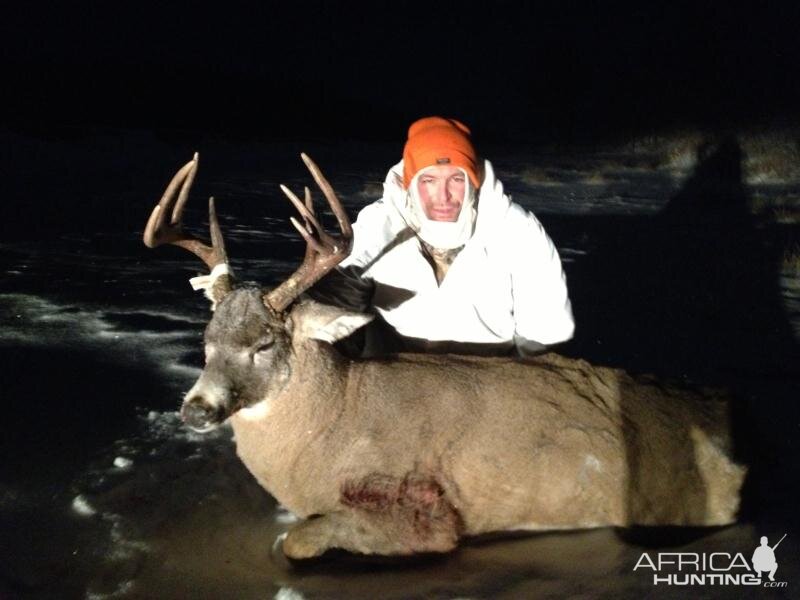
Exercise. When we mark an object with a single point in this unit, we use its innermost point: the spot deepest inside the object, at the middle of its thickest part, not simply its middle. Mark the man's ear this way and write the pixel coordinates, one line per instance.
(315, 321)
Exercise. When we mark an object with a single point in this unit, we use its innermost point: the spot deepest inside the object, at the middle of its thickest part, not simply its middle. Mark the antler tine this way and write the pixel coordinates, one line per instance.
(154, 234)
(309, 204)
(161, 229)
(330, 195)
(323, 251)
(313, 244)
(308, 201)
(305, 212)
(217, 241)
(177, 212)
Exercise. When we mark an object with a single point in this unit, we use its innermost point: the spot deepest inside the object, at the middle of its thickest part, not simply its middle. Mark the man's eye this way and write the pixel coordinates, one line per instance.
(264, 347)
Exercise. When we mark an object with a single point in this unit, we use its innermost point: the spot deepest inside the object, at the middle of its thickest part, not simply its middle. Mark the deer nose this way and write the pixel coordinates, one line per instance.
(199, 414)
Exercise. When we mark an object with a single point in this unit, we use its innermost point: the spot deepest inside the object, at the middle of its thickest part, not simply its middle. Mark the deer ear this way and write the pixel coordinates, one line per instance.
(326, 323)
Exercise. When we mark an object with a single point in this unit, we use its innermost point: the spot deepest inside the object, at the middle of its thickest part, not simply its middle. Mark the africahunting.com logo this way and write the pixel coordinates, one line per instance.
(715, 568)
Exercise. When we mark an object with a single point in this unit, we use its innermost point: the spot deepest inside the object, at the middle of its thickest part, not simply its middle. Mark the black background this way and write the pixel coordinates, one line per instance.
(691, 293)
(511, 70)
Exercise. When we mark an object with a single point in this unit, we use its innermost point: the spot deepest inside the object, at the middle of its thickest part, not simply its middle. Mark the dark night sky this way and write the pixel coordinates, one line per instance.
(511, 70)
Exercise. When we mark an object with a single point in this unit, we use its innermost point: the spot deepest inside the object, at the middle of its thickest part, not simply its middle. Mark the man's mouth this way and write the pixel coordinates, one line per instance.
(445, 214)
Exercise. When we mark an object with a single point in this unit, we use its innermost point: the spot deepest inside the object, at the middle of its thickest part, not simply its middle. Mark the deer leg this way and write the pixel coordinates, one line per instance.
(381, 517)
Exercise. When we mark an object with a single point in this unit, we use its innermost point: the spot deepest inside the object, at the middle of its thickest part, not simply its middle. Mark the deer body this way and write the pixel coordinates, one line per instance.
(409, 453)
(489, 444)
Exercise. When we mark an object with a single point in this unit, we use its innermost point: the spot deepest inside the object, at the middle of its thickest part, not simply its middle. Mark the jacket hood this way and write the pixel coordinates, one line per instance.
(492, 202)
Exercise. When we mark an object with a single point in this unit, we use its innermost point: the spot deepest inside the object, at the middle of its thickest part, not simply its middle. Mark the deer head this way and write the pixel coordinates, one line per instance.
(254, 336)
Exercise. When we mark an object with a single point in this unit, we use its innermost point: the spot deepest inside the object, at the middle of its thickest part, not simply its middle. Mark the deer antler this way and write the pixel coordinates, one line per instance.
(163, 230)
(323, 251)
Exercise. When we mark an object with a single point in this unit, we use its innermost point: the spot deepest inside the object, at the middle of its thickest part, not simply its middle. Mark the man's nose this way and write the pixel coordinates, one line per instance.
(444, 195)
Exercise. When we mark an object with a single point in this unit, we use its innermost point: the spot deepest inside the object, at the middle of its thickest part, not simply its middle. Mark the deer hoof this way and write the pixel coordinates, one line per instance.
(303, 543)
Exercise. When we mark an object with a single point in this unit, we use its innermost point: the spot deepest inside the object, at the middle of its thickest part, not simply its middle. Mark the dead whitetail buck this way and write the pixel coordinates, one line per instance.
(409, 453)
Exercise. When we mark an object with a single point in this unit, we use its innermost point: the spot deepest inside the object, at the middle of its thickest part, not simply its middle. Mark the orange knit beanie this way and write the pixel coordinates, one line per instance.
(438, 141)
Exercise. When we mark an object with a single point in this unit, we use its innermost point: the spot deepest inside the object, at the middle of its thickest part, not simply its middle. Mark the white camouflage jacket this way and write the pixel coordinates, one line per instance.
(505, 288)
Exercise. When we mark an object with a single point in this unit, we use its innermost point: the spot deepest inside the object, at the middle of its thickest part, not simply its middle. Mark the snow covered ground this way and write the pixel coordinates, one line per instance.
(682, 258)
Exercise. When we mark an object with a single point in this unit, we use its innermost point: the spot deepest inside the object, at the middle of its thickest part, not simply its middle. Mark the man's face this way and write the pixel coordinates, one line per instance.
(441, 192)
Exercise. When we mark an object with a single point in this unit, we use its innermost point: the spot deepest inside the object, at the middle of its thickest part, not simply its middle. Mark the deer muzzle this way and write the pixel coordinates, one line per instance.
(201, 416)
(205, 407)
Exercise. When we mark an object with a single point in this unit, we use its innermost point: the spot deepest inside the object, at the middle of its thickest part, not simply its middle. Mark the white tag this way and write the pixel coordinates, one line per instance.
(206, 282)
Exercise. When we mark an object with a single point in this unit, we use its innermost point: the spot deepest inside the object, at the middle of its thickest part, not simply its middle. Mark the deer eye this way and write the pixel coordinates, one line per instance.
(265, 343)
(263, 347)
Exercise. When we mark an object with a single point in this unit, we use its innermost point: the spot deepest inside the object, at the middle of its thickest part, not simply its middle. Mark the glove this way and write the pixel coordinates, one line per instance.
(344, 288)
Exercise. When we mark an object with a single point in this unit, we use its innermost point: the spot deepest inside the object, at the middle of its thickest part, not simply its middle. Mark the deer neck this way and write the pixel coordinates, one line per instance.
(289, 437)
(314, 386)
